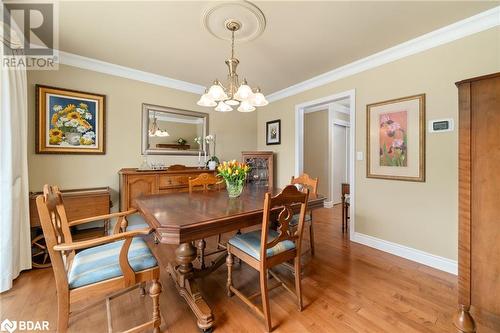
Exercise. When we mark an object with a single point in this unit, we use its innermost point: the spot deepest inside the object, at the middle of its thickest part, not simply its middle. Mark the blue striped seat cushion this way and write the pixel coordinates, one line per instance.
(295, 219)
(250, 243)
(101, 263)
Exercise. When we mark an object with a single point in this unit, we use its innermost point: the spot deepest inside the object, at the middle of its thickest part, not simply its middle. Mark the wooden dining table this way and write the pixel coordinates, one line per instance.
(182, 218)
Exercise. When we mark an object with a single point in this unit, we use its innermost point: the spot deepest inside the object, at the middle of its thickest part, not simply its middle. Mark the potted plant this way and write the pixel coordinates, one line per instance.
(213, 161)
(235, 174)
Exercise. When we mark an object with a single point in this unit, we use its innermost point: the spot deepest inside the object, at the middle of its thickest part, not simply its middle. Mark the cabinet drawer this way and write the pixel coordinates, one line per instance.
(174, 181)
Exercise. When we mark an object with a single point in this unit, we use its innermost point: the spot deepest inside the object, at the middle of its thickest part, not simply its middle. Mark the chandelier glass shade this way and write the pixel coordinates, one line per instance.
(233, 95)
(154, 129)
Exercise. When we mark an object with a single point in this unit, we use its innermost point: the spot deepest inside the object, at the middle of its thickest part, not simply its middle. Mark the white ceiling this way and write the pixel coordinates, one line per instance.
(302, 38)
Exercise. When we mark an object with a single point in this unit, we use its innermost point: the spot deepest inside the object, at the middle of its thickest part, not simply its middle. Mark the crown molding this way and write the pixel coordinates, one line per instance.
(95, 65)
(474, 24)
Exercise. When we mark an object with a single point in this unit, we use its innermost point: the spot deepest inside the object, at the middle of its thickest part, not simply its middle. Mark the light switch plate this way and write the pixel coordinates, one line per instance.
(359, 155)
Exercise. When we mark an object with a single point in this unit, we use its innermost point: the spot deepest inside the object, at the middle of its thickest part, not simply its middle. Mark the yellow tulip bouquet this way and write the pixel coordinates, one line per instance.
(235, 174)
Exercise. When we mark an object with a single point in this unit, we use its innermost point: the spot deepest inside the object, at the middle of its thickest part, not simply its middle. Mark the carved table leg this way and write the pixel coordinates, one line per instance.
(201, 247)
(183, 276)
(463, 320)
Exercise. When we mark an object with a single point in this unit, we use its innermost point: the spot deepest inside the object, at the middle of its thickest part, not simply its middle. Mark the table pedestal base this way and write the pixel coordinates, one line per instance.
(188, 289)
(184, 275)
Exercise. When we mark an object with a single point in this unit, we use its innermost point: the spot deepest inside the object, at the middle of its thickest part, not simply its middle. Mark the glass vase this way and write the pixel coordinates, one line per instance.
(234, 189)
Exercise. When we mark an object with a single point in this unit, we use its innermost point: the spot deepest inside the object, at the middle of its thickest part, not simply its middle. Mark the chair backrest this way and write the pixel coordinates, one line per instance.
(287, 198)
(204, 180)
(177, 167)
(345, 189)
(306, 181)
(55, 230)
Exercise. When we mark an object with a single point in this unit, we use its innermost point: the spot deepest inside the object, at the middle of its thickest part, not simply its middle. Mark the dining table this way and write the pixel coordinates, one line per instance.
(183, 218)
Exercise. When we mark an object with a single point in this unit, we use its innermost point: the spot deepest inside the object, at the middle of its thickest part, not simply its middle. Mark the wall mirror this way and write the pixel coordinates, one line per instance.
(170, 131)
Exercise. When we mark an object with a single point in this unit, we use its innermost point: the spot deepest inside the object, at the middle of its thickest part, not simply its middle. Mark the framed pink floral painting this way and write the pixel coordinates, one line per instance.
(69, 121)
(396, 139)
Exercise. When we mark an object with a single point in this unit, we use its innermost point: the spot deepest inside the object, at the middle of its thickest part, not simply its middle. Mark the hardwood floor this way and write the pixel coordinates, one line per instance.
(347, 287)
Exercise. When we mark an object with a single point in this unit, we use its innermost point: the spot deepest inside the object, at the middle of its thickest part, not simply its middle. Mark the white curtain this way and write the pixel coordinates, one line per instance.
(15, 244)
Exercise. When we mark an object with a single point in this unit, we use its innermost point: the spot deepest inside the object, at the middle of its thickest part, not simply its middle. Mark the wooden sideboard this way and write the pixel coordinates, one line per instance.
(479, 211)
(135, 183)
(78, 204)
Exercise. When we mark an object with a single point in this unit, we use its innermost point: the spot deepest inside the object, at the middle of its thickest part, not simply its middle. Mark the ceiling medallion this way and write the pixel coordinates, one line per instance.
(252, 20)
(233, 94)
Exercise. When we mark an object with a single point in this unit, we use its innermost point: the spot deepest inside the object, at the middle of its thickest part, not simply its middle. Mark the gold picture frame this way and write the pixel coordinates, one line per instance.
(69, 121)
(395, 139)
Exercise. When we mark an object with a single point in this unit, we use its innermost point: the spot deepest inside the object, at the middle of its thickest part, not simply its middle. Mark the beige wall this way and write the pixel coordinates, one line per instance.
(235, 130)
(316, 147)
(419, 215)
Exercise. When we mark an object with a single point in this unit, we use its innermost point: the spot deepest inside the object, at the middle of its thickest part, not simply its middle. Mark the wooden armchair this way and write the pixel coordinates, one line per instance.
(206, 182)
(266, 248)
(306, 182)
(111, 264)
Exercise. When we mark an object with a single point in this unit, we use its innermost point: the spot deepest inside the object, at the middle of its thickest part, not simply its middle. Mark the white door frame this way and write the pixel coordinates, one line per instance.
(299, 141)
(347, 125)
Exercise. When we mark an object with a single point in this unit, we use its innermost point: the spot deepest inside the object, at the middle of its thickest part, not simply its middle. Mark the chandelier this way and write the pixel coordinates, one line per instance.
(155, 130)
(234, 94)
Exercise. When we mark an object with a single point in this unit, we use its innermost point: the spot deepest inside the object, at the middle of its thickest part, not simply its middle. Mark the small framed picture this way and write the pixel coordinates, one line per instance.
(69, 121)
(273, 132)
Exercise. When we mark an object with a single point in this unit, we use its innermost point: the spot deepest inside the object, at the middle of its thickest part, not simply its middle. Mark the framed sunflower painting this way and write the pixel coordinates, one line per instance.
(69, 121)
(396, 139)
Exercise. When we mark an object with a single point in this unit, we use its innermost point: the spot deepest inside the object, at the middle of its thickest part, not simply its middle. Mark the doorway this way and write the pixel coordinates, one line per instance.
(341, 110)
(340, 158)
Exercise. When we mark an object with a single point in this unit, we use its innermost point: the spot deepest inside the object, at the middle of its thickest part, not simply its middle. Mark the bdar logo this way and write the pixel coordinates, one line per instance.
(9, 326)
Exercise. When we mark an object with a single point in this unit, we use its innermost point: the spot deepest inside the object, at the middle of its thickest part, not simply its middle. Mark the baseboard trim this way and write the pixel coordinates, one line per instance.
(328, 204)
(425, 258)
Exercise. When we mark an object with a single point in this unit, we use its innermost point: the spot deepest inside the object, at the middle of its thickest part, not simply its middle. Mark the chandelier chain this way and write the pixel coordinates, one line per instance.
(232, 43)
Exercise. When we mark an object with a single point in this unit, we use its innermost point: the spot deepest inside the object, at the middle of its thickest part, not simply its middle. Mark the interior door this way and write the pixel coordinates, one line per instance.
(340, 160)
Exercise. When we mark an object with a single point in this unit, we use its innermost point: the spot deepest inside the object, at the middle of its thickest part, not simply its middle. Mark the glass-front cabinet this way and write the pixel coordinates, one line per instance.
(261, 163)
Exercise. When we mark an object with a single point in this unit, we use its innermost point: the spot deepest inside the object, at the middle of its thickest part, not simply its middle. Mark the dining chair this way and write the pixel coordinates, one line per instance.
(304, 181)
(266, 248)
(106, 266)
(206, 182)
(346, 191)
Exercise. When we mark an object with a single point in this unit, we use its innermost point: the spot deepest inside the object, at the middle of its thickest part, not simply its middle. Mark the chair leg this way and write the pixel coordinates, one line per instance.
(298, 282)
(229, 263)
(311, 236)
(219, 238)
(201, 248)
(265, 299)
(348, 218)
(62, 311)
(155, 292)
(142, 288)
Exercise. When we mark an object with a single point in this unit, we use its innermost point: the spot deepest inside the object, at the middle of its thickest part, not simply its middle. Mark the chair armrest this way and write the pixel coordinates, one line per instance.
(101, 217)
(101, 240)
